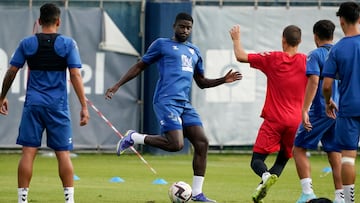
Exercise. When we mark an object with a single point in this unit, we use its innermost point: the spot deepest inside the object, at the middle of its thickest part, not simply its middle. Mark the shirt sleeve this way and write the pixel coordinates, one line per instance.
(25, 47)
(330, 68)
(199, 66)
(312, 64)
(260, 61)
(73, 55)
(153, 53)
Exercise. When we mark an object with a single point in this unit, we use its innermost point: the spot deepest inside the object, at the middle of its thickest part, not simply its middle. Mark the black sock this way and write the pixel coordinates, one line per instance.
(280, 163)
(258, 163)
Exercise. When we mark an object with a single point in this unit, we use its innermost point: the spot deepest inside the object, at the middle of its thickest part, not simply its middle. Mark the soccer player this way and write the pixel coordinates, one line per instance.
(316, 126)
(179, 61)
(48, 55)
(286, 82)
(343, 61)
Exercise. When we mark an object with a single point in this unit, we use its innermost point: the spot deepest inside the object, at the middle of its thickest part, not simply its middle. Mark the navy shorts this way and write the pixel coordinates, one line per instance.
(323, 131)
(36, 119)
(176, 115)
(347, 131)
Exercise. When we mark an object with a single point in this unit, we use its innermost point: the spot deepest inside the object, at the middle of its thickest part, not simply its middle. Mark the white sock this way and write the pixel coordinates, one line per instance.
(265, 176)
(306, 185)
(22, 195)
(197, 185)
(339, 195)
(138, 138)
(349, 193)
(69, 194)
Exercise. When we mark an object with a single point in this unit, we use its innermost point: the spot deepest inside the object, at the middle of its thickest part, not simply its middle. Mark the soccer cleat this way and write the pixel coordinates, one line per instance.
(260, 201)
(201, 198)
(306, 197)
(125, 142)
(262, 189)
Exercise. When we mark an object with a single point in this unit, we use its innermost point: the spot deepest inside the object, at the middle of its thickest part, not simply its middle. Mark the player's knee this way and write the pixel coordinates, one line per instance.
(348, 160)
(174, 147)
(201, 145)
(255, 162)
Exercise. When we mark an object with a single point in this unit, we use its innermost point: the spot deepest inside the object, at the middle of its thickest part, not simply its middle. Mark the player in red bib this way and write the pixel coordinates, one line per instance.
(286, 82)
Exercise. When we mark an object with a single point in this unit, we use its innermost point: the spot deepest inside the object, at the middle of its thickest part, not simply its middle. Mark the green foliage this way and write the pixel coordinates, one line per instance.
(229, 179)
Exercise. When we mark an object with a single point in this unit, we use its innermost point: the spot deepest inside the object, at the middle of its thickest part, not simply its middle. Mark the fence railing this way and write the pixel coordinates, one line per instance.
(255, 3)
(64, 3)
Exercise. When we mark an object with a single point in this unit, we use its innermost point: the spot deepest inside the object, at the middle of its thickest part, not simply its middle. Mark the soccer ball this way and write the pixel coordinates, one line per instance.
(180, 192)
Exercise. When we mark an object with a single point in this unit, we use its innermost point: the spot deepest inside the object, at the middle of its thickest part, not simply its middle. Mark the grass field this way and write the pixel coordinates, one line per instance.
(229, 179)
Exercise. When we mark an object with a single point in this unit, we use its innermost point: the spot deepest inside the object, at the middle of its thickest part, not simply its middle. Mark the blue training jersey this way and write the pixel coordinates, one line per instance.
(344, 61)
(176, 62)
(47, 88)
(314, 64)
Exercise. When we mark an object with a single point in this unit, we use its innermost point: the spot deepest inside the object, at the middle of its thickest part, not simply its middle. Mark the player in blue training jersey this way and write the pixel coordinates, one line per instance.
(343, 62)
(179, 62)
(316, 126)
(48, 55)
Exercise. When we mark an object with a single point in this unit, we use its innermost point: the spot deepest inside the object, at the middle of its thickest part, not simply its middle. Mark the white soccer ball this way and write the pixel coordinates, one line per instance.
(180, 192)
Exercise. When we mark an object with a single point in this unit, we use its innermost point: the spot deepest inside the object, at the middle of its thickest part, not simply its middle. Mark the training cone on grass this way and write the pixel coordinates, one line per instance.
(326, 171)
(116, 180)
(159, 181)
(76, 177)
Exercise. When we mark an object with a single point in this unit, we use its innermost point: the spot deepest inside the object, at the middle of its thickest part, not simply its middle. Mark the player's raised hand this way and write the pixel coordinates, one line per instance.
(235, 32)
(232, 76)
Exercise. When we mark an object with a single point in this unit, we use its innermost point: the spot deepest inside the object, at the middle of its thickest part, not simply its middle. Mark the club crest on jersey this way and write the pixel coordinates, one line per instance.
(175, 47)
(191, 51)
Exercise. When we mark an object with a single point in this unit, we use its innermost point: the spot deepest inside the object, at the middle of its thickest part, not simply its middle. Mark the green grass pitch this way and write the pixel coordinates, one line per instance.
(229, 179)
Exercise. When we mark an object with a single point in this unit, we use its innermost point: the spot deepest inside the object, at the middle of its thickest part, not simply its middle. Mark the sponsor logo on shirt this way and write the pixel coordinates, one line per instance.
(186, 63)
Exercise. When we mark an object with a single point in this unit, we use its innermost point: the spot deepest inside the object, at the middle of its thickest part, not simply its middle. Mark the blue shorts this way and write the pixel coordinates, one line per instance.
(36, 119)
(176, 115)
(347, 131)
(323, 130)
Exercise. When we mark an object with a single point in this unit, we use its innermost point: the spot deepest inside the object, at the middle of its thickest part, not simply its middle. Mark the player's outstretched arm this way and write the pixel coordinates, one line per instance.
(239, 51)
(7, 82)
(134, 71)
(203, 82)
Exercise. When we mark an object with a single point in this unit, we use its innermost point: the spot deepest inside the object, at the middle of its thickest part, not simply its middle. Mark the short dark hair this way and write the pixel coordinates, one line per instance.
(183, 16)
(292, 35)
(324, 29)
(49, 14)
(350, 11)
